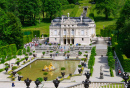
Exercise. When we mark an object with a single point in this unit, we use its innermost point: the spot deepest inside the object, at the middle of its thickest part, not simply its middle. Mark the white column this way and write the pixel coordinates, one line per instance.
(70, 36)
(66, 37)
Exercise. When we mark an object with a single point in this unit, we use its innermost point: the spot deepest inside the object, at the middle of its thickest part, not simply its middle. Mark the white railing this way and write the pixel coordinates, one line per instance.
(100, 85)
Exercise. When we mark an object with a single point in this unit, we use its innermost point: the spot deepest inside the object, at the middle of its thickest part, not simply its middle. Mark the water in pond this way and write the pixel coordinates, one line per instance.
(34, 70)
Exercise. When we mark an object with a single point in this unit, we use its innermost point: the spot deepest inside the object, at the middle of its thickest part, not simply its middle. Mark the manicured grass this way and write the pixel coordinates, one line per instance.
(43, 26)
(64, 12)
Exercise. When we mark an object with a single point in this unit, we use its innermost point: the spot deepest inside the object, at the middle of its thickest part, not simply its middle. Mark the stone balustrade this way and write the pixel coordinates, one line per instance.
(100, 85)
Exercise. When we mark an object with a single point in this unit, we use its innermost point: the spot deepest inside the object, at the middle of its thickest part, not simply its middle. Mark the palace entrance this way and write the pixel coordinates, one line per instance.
(68, 41)
(72, 41)
(64, 41)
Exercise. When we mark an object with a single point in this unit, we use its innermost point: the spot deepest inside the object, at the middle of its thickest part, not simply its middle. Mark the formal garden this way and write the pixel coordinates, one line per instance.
(23, 57)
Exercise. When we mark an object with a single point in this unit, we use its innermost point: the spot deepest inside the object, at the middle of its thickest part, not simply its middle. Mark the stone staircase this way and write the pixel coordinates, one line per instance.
(101, 52)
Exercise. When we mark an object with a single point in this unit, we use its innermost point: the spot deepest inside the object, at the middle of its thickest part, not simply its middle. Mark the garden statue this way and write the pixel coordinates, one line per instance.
(87, 75)
(19, 78)
(37, 82)
(56, 83)
(6, 69)
(49, 68)
(86, 83)
(101, 68)
(27, 81)
(42, 35)
(101, 72)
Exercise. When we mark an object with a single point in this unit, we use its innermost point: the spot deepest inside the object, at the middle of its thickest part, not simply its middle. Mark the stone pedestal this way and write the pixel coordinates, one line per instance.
(101, 75)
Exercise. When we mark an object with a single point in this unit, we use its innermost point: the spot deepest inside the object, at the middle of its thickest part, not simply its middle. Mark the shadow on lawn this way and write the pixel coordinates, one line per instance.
(100, 18)
(46, 20)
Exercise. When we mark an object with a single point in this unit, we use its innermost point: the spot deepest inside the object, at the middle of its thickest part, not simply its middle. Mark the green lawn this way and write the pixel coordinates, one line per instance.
(43, 27)
(64, 12)
(98, 18)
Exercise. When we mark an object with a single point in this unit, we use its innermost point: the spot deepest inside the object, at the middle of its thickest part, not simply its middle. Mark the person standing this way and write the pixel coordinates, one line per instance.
(13, 84)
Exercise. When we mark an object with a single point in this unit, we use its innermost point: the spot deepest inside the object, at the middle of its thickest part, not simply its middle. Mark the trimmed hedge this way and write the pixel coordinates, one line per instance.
(111, 72)
(111, 60)
(125, 62)
(14, 67)
(1, 70)
(29, 35)
(113, 40)
(91, 71)
(92, 60)
(28, 49)
(108, 31)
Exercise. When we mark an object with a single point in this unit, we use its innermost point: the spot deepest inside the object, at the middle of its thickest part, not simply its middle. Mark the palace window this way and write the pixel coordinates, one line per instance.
(64, 31)
(55, 39)
(82, 39)
(55, 32)
(82, 32)
(72, 32)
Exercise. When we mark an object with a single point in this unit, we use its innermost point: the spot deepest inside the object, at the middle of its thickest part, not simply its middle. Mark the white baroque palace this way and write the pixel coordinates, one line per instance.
(72, 30)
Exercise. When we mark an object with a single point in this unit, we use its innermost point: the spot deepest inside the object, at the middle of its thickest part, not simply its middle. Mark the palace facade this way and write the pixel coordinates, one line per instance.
(72, 30)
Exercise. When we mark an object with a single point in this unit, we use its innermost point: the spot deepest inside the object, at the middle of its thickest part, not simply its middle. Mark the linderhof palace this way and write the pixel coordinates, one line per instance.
(72, 30)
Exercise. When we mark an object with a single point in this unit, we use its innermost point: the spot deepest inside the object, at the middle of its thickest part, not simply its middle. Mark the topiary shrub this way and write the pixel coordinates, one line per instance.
(43, 53)
(79, 66)
(26, 54)
(68, 51)
(6, 64)
(30, 53)
(40, 79)
(33, 51)
(28, 49)
(80, 53)
(86, 51)
(62, 68)
(1, 70)
(45, 73)
(51, 51)
(14, 67)
(17, 58)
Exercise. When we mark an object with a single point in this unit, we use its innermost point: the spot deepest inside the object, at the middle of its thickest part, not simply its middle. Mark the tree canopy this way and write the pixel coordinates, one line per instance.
(123, 27)
(10, 28)
(28, 10)
(53, 8)
(106, 7)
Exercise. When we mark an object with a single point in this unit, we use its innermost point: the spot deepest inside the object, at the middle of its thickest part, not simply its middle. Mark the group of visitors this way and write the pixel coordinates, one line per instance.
(33, 43)
(118, 66)
(53, 55)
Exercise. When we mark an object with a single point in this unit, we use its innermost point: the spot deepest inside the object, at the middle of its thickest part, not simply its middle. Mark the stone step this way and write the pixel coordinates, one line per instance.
(100, 52)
